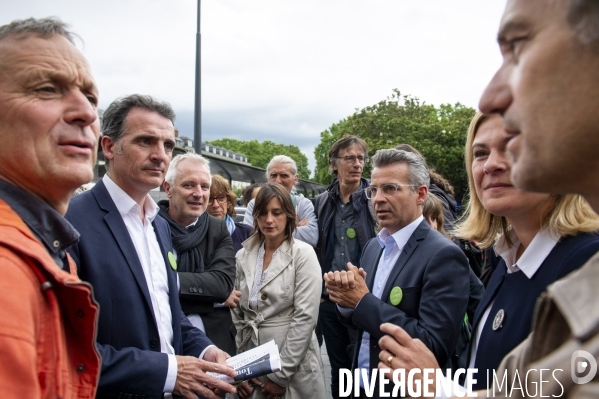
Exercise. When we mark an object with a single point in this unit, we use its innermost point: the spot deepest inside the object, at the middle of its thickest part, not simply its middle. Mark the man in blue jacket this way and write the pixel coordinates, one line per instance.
(148, 347)
(345, 224)
(403, 275)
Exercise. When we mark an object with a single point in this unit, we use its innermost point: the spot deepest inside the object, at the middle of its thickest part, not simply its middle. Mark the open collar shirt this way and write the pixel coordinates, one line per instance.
(152, 262)
(531, 259)
(344, 249)
(393, 245)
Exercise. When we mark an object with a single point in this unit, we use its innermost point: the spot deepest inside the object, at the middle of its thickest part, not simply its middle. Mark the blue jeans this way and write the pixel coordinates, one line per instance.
(340, 341)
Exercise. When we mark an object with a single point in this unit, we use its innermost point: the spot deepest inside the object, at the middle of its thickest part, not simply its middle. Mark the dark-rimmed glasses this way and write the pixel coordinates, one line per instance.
(220, 198)
(351, 159)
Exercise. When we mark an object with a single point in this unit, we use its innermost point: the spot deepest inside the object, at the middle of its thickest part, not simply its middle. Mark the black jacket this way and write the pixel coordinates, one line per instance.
(324, 207)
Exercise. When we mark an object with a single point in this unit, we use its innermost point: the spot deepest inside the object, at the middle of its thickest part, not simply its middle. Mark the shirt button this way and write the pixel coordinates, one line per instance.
(190, 289)
(199, 290)
(81, 368)
(56, 243)
(263, 297)
(153, 343)
(80, 313)
(342, 254)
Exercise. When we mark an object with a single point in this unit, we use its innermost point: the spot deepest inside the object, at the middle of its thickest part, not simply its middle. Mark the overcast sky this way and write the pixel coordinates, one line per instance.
(281, 70)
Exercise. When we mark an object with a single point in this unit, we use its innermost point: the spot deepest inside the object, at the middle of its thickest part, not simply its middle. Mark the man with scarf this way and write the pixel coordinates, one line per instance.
(203, 249)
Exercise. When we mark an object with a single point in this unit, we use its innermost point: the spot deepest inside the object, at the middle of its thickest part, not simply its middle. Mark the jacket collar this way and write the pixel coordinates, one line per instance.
(334, 186)
(46, 224)
(277, 265)
(25, 242)
(117, 227)
(419, 234)
(575, 298)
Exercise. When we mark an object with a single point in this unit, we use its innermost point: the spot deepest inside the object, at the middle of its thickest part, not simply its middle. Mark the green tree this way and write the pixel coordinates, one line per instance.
(260, 153)
(438, 133)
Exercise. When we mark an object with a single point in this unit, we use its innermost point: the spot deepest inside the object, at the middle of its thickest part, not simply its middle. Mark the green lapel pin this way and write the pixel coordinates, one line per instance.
(396, 296)
(351, 233)
(172, 260)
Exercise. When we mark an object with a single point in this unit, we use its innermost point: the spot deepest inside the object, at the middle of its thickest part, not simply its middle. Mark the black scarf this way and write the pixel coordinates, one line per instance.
(186, 241)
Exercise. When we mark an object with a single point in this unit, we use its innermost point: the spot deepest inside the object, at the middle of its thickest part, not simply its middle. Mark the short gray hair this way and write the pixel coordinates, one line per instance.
(283, 159)
(418, 170)
(44, 28)
(171, 173)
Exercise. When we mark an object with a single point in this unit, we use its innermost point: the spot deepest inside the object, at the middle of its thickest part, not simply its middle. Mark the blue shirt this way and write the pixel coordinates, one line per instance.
(393, 245)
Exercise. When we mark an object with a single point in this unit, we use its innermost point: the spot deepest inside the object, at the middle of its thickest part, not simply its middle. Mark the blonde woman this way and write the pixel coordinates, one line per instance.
(538, 239)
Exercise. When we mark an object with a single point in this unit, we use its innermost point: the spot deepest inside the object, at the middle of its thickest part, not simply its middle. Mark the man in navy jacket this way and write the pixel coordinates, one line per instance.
(411, 275)
(148, 346)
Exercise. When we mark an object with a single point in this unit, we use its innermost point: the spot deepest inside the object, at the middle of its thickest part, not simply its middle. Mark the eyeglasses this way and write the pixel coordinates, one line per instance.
(351, 159)
(220, 198)
(388, 190)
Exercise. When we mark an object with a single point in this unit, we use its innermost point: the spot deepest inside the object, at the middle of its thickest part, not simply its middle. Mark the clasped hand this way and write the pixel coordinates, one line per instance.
(270, 390)
(346, 288)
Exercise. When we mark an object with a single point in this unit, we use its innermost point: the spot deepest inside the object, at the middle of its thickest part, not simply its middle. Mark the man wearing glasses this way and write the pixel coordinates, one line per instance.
(410, 275)
(205, 258)
(346, 222)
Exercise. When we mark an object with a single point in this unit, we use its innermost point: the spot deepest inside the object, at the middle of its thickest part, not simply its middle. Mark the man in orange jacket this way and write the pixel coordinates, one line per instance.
(49, 129)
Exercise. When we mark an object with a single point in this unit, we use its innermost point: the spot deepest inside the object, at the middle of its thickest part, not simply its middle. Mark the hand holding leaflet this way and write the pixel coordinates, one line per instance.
(256, 362)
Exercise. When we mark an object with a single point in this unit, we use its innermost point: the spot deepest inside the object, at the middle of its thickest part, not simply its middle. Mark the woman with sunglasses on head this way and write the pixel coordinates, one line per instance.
(280, 281)
(221, 204)
(537, 238)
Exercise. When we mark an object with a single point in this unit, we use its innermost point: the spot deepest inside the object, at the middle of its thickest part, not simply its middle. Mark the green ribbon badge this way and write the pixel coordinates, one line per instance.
(351, 233)
(172, 260)
(396, 296)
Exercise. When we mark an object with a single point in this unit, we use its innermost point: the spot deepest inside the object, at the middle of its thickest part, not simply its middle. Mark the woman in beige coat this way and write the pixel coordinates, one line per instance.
(280, 283)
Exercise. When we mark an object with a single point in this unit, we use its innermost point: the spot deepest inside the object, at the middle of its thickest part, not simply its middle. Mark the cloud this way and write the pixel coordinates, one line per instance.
(282, 70)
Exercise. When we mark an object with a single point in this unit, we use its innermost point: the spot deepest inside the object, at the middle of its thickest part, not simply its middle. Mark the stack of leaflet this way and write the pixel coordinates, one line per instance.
(262, 360)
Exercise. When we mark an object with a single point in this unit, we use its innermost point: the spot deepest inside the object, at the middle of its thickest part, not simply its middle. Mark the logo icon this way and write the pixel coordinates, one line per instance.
(580, 362)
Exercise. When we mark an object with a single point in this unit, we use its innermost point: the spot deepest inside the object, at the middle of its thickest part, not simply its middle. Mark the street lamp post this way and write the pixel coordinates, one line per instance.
(197, 128)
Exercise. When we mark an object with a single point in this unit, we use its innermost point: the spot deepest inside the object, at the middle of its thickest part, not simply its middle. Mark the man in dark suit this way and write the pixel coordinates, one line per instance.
(203, 247)
(148, 346)
(411, 275)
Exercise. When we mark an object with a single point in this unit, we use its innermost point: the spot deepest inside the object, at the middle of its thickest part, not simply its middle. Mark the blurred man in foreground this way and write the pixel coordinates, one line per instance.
(49, 129)
(546, 90)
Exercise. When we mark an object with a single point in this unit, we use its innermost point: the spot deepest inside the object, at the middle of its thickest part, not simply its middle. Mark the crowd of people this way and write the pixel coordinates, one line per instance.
(108, 294)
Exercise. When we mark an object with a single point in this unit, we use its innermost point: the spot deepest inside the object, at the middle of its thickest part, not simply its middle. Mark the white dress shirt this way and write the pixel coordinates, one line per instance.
(393, 246)
(152, 262)
(531, 259)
